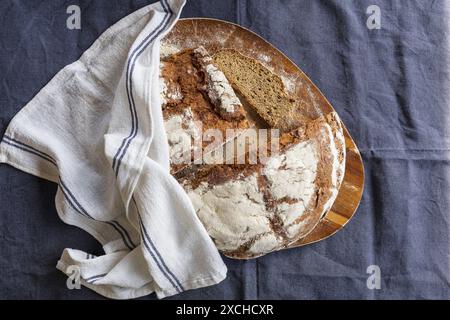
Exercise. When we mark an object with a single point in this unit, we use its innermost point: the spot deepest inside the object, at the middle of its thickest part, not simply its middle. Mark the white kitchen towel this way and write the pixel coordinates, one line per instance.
(96, 129)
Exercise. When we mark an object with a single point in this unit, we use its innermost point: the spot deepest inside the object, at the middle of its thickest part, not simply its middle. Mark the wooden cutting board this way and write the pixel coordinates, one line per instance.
(217, 34)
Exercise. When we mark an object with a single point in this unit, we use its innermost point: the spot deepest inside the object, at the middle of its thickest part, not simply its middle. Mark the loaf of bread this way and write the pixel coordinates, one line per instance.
(249, 209)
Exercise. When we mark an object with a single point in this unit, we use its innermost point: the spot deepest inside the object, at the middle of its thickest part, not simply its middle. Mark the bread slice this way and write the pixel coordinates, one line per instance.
(262, 89)
(252, 209)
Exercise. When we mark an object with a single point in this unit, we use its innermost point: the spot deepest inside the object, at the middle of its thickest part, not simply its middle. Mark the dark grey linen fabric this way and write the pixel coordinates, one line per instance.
(391, 87)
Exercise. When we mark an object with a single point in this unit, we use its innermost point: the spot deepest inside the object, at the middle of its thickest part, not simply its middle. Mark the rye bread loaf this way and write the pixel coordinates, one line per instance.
(252, 209)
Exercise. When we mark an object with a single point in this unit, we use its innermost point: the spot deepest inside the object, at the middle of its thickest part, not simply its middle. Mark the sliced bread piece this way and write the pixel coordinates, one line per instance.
(263, 89)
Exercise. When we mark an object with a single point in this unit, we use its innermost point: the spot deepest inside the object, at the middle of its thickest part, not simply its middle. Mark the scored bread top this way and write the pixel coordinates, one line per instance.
(217, 87)
(188, 110)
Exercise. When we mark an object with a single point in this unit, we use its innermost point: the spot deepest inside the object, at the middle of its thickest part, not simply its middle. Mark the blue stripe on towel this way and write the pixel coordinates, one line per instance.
(15, 143)
(73, 202)
(179, 290)
(149, 245)
(126, 240)
(95, 278)
(127, 235)
(117, 161)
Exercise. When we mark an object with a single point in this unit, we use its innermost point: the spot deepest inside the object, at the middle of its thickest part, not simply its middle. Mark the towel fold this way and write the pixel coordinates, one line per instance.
(97, 130)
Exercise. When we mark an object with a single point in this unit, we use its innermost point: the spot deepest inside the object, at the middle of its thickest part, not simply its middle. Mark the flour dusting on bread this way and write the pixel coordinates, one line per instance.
(218, 88)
